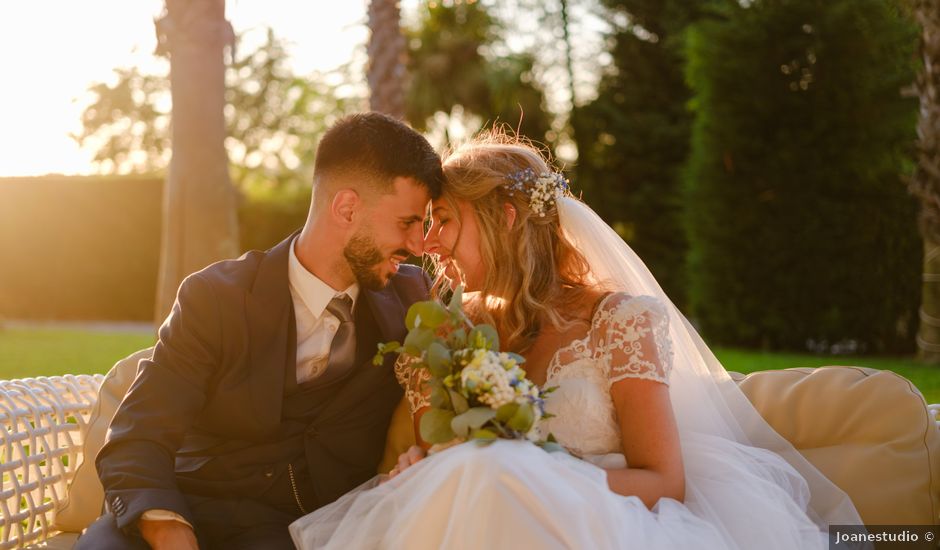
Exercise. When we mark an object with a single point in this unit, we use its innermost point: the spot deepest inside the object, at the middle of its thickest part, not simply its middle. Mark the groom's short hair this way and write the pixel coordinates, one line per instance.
(374, 149)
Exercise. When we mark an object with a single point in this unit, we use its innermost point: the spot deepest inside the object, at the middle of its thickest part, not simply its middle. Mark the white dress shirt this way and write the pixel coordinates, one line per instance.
(315, 329)
(315, 325)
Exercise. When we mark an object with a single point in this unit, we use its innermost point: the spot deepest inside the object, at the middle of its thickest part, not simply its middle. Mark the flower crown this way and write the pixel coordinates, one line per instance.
(543, 189)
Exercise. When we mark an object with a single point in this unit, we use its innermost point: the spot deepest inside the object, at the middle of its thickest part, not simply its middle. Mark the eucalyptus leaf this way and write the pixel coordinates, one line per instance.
(411, 318)
(459, 402)
(473, 419)
(523, 419)
(418, 340)
(483, 434)
(433, 314)
(439, 361)
(506, 412)
(439, 397)
(516, 357)
(435, 426)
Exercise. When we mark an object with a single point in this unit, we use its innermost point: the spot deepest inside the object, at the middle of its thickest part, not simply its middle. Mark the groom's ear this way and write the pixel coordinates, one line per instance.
(510, 211)
(346, 204)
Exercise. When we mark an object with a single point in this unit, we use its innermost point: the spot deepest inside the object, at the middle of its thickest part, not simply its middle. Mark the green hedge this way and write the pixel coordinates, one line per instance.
(88, 248)
(801, 231)
(265, 220)
(79, 247)
(633, 139)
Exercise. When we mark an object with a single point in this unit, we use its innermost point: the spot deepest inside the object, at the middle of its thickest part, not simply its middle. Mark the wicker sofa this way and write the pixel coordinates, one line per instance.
(869, 431)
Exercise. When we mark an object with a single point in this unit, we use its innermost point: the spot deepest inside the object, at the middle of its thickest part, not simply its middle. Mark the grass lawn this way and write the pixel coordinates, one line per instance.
(927, 379)
(26, 352)
(29, 352)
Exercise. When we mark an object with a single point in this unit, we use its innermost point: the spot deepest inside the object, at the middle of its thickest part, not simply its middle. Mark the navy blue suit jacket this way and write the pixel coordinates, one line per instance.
(216, 382)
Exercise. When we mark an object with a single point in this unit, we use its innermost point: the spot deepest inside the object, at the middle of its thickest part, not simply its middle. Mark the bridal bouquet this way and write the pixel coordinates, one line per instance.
(477, 392)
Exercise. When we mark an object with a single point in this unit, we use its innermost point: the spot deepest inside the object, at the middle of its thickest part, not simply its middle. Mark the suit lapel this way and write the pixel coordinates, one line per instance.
(388, 311)
(270, 324)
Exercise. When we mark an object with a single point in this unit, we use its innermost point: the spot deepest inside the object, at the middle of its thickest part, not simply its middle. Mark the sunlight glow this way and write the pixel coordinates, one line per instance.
(56, 49)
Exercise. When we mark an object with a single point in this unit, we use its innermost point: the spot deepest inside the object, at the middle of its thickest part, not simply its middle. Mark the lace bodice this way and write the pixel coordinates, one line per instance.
(628, 338)
(413, 382)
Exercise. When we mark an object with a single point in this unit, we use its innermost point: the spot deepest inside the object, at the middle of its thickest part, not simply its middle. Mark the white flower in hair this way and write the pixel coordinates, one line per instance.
(543, 189)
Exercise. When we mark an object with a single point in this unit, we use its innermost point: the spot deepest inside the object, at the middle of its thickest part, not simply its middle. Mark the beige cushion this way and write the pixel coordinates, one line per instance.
(85, 498)
(867, 430)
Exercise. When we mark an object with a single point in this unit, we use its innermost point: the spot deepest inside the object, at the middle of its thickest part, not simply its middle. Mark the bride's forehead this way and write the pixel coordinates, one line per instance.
(440, 206)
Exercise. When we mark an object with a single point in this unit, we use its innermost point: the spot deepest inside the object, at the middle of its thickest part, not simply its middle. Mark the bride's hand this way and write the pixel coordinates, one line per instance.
(407, 459)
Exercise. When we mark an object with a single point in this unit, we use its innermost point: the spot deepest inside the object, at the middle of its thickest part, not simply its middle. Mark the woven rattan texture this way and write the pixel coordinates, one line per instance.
(40, 448)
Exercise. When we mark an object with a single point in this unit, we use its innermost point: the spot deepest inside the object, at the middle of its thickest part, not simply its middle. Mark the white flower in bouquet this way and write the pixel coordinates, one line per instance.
(476, 392)
(496, 379)
(490, 376)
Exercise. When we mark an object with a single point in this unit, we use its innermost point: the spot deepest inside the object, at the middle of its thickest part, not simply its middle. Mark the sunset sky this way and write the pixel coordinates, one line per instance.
(54, 49)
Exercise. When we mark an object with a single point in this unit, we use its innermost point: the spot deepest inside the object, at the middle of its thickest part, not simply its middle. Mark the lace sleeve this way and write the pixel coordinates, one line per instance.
(631, 338)
(412, 380)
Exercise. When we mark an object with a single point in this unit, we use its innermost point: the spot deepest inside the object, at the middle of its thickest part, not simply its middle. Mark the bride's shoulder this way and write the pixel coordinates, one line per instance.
(621, 305)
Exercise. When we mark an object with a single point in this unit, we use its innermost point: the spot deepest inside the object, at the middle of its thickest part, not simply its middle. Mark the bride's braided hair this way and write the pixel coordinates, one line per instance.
(532, 273)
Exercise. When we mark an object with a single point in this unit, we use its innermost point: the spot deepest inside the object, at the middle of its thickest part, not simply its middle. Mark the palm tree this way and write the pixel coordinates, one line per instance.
(387, 59)
(451, 75)
(925, 183)
(199, 203)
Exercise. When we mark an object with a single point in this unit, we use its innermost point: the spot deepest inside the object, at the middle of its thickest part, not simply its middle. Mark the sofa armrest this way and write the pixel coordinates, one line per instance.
(43, 421)
(870, 432)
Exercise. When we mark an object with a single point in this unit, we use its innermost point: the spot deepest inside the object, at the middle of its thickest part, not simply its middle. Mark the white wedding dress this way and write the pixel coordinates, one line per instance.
(512, 494)
(746, 487)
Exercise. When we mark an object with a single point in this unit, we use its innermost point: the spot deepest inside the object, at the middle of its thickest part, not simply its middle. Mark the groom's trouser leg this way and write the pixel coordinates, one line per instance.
(241, 524)
(228, 524)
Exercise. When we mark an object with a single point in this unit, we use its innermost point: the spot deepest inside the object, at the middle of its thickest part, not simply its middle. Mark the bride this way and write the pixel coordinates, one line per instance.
(664, 449)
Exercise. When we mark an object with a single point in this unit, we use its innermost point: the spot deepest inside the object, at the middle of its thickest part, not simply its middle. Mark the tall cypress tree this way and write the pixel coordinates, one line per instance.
(633, 140)
(800, 232)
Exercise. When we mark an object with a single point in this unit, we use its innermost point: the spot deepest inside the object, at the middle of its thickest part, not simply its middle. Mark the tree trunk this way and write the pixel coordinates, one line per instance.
(928, 334)
(387, 59)
(200, 223)
(925, 184)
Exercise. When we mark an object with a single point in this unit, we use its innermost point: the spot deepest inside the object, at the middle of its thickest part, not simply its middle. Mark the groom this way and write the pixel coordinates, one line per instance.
(260, 403)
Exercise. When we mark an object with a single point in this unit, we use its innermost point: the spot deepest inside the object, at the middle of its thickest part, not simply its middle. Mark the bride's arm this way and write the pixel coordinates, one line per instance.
(418, 396)
(416, 420)
(650, 442)
(632, 341)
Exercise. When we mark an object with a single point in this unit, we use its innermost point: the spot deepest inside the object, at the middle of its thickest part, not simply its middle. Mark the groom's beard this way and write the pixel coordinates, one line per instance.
(366, 261)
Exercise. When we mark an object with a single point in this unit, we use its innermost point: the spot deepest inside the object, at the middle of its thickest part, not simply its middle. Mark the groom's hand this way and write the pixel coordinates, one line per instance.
(407, 459)
(167, 534)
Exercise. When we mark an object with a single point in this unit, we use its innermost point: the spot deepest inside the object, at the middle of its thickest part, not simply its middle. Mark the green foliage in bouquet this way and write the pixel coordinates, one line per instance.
(477, 392)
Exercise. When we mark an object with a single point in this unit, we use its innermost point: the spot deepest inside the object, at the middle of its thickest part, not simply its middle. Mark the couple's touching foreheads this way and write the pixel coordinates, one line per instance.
(261, 418)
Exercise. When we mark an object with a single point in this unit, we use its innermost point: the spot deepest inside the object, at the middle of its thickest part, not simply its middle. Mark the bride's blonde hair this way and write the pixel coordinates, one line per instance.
(531, 271)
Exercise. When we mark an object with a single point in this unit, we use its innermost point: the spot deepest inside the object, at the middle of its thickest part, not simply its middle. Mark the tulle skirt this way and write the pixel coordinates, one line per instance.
(512, 494)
